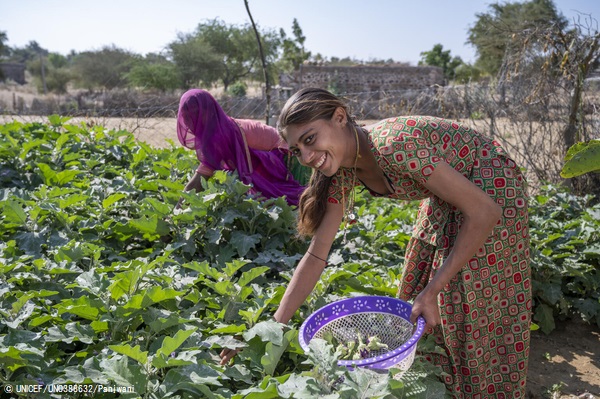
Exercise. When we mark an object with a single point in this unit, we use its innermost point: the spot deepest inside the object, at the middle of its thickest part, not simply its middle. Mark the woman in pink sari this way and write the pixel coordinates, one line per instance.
(260, 157)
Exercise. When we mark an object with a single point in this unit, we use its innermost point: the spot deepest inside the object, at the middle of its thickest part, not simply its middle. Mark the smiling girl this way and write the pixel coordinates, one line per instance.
(467, 264)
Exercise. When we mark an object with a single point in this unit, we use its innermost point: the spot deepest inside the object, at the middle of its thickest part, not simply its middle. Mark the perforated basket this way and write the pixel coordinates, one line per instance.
(384, 317)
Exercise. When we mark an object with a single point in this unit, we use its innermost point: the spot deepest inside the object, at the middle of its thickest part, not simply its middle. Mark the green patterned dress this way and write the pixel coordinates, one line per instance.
(486, 307)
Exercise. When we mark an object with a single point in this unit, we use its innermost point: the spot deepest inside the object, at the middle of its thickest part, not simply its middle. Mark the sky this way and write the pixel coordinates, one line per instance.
(363, 30)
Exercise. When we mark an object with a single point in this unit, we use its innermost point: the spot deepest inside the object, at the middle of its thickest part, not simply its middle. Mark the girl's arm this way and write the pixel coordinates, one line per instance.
(307, 273)
(481, 213)
(311, 266)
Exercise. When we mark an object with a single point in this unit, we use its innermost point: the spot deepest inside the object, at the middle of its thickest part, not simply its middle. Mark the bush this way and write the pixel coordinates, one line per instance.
(238, 89)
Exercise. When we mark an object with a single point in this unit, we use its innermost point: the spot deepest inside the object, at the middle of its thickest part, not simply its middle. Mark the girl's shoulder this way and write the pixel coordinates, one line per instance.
(407, 122)
(417, 126)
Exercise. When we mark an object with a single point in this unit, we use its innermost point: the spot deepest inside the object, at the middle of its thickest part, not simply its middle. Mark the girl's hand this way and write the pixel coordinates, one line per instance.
(426, 305)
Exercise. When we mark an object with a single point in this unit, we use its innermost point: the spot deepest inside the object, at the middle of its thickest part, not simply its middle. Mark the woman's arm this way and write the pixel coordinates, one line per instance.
(481, 214)
(195, 183)
(310, 267)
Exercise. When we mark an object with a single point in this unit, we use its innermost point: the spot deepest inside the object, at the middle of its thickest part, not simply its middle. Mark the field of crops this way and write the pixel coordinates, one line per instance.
(103, 284)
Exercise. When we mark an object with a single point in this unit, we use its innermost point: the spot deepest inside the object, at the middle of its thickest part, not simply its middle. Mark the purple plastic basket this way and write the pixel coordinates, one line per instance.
(386, 317)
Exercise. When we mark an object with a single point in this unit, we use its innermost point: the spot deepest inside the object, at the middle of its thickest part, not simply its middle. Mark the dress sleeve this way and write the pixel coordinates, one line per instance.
(260, 136)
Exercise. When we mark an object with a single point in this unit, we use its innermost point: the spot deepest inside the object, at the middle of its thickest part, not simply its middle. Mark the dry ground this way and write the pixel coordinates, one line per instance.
(564, 364)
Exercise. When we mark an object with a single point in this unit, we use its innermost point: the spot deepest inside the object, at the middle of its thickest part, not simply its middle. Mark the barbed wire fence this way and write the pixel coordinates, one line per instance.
(531, 131)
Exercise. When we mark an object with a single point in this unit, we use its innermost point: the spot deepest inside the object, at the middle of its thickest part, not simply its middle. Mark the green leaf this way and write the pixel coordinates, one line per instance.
(71, 253)
(268, 331)
(232, 267)
(14, 213)
(296, 386)
(243, 242)
(150, 225)
(124, 374)
(99, 326)
(191, 378)
(589, 308)
(204, 269)
(124, 283)
(170, 345)
(582, 158)
(16, 337)
(545, 318)
(24, 313)
(83, 307)
(160, 319)
(366, 383)
(11, 359)
(31, 242)
(57, 120)
(158, 207)
(86, 372)
(266, 390)
(75, 199)
(65, 176)
(273, 352)
(47, 173)
(250, 275)
(551, 293)
(112, 199)
(228, 329)
(133, 352)
(151, 296)
(71, 332)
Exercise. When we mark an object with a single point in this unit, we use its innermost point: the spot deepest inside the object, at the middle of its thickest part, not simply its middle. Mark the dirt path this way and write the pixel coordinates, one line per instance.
(567, 361)
(562, 365)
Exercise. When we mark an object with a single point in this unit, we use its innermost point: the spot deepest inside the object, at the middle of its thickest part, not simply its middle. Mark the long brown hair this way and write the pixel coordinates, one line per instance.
(305, 106)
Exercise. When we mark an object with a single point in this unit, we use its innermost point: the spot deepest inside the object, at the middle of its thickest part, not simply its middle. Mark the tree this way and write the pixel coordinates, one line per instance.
(542, 78)
(465, 73)
(440, 58)
(54, 75)
(3, 50)
(493, 33)
(154, 72)
(24, 54)
(226, 52)
(195, 60)
(32, 55)
(105, 69)
(294, 53)
(3, 47)
(579, 52)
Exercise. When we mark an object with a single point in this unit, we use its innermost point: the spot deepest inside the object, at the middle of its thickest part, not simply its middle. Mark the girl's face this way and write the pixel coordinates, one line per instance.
(323, 144)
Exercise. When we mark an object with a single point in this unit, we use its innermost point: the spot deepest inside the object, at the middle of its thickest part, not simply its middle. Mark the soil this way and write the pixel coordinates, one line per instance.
(565, 364)
(562, 365)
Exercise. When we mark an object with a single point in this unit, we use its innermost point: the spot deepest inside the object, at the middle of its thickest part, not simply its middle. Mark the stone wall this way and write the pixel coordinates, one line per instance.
(13, 71)
(357, 79)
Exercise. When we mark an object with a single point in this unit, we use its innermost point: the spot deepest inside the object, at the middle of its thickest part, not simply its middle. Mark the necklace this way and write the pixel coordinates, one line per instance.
(349, 215)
